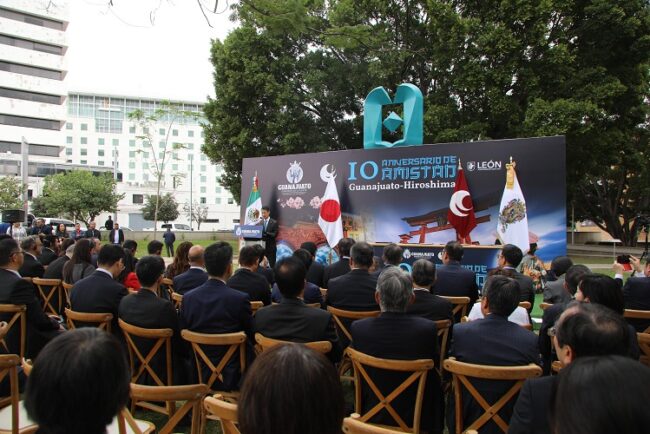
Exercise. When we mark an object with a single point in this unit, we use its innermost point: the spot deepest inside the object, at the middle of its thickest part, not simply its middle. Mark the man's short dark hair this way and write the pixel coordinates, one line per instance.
(49, 240)
(574, 275)
(361, 254)
(7, 247)
(89, 396)
(423, 273)
(131, 245)
(149, 269)
(290, 273)
(603, 290)
(154, 247)
(560, 265)
(393, 254)
(512, 254)
(109, 254)
(218, 257)
(248, 256)
(260, 252)
(266, 208)
(593, 330)
(502, 294)
(454, 250)
(310, 246)
(344, 246)
(304, 256)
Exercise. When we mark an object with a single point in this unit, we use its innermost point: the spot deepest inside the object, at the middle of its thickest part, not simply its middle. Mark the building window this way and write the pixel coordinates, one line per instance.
(68, 151)
(31, 19)
(138, 198)
(145, 165)
(68, 140)
(217, 190)
(22, 121)
(145, 155)
(100, 163)
(174, 132)
(204, 178)
(145, 177)
(83, 162)
(190, 146)
(203, 201)
(131, 154)
(161, 131)
(84, 152)
(190, 133)
(131, 177)
(100, 153)
(132, 143)
(161, 144)
(84, 140)
(84, 127)
(203, 158)
(235, 220)
(116, 142)
(132, 129)
(203, 190)
(217, 201)
(31, 45)
(145, 130)
(230, 201)
(68, 126)
(31, 70)
(174, 166)
(203, 169)
(131, 165)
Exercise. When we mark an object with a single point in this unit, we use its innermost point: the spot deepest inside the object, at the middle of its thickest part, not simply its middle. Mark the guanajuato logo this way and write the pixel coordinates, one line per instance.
(294, 176)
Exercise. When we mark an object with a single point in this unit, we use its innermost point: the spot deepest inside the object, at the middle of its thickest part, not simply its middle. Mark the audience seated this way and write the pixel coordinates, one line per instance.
(79, 266)
(316, 269)
(312, 293)
(196, 275)
(291, 389)
(509, 258)
(31, 247)
(127, 277)
(14, 290)
(425, 304)
(181, 261)
(48, 252)
(392, 257)
(452, 280)
(247, 280)
(78, 384)
(216, 308)
(555, 291)
(154, 247)
(583, 330)
(132, 247)
(636, 291)
(602, 395)
(355, 290)
(342, 266)
(94, 253)
(394, 334)
(100, 292)
(55, 269)
(492, 341)
(518, 316)
(291, 319)
(263, 264)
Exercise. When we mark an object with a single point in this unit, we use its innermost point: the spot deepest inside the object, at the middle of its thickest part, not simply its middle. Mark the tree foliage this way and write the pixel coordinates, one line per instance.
(167, 208)
(11, 190)
(196, 213)
(293, 77)
(79, 195)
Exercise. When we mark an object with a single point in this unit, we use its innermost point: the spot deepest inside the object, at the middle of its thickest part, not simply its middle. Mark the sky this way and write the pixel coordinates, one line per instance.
(118, 51)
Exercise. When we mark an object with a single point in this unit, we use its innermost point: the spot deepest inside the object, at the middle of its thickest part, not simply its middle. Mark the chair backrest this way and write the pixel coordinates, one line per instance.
(461, 372)
(337, 314)
(256, 305)
(177, 299)
(545, 305)
(52, 287)
(19, 316)
(232, 342)
(460, 304)
(169, 283)
(638, 314)
(160, 338)
(192, 395)
(99, 320)
(644, 346)
(67, 287)
(225, 411)
(314, 305)
(352, 425)
(418, 370)
(442, 327)
(8, 368)
(526, 305)
(265, 343)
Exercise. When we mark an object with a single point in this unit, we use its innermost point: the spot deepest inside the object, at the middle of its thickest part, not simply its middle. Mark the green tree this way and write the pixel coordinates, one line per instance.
(79, 195)
(11, 191)
(163, 208)
(293, 77)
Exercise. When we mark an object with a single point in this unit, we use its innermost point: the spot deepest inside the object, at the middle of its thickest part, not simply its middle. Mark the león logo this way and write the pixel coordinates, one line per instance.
(483, 165)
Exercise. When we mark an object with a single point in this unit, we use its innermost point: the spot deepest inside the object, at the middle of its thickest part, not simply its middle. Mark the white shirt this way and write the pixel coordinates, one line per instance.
(117, 236)
(519, 316)
(196, 267)
(104, 270)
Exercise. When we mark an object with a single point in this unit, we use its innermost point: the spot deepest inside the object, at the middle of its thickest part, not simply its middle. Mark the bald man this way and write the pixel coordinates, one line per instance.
(196, 275)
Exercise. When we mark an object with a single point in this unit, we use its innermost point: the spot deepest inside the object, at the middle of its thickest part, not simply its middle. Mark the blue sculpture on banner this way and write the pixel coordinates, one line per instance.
(410, 97)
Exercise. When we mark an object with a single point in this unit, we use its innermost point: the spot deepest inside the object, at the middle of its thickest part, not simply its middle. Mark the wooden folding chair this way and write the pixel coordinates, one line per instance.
(233, 342)
(125, 423)
(644, 346)
(352, 425)
(417, 368)
(461, 305)
(177, 299)
(442, 328)
(13, 417)
(256, 305)
(545, 305)
(314, 305)
(54, 287)
(169, 283)
(462, 371)
(161, 338)
(637, 314)
(323, 293)
(19, 315)
(192, 395)
(99, 320)
(67, 287)
(224, 411)
(526, 305)
(265, 343)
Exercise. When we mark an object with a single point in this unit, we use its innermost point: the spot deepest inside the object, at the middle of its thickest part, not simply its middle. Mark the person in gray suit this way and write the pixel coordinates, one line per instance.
(556, 291)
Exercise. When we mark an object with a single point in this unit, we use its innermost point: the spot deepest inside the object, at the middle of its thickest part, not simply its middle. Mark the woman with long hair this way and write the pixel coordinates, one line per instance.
(79, 266)
(61, 232)
(181, 261)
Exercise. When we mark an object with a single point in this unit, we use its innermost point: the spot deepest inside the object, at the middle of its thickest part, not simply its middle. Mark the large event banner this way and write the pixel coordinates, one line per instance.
(402, 194)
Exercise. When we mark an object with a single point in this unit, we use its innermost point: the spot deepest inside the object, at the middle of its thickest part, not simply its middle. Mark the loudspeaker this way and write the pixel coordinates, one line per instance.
(13, 215)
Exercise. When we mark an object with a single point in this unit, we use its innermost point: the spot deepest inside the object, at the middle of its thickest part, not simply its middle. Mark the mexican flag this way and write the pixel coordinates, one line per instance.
(254, 206)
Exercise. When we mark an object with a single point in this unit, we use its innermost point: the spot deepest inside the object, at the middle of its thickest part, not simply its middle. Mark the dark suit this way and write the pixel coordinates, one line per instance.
(292, 320)
(45, 230)
(253, 284)
(490, 341)
(353, 291)
(531, 413)
(452, 280)
(47, 256)
(192, 278)
(120, 236)
(93, 233)
(31, 267)
(332, 271)
(269, 233)
(315, 274)
(267, 273)
(637, 296)
(430, 306)
(215, 308)
(554, 292)
(526, 290)
(40, 328)
(403, 337)
(311, 294)
(98, 293)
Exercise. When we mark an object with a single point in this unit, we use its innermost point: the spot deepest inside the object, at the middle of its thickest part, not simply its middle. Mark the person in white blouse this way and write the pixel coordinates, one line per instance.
(17, 232)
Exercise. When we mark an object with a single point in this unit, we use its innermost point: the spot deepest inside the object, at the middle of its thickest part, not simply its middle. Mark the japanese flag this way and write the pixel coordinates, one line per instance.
(329, 218)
